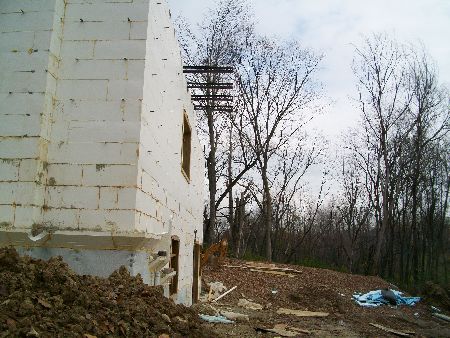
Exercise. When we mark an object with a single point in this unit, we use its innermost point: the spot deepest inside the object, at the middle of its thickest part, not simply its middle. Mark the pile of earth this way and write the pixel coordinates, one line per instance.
(46, 299)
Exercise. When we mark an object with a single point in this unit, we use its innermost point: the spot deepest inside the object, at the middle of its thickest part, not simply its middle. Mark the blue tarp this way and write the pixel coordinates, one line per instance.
(375, 298)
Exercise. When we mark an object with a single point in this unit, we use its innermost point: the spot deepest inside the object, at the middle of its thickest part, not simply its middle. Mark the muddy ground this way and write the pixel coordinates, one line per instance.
(317, 290)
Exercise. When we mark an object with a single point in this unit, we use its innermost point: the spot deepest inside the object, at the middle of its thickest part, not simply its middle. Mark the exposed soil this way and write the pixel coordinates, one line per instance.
(314, 290)
(47, 299)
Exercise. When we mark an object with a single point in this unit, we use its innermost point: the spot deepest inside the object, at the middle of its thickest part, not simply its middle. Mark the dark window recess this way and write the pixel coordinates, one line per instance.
(186, 151)
(174, 254)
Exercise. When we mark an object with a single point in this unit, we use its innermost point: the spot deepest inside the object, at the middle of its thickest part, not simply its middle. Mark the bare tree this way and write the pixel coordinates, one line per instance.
(276, 85)
(219, 40)
(381, 75)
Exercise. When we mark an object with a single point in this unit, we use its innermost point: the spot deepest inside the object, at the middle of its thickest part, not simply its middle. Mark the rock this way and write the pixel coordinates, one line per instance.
(239, 317)
(166, 318)
(32, 333)
(249, 305)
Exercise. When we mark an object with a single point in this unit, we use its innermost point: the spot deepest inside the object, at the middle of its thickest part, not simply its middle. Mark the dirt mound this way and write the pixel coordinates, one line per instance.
(437, 294)
(276, 286)
(47, 299)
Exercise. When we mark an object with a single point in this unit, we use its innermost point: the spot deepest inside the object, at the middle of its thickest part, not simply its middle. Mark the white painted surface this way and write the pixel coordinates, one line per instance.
(91, 116)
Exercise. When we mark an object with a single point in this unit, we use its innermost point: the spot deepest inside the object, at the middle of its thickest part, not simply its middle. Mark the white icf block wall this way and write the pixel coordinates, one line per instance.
(92, 99)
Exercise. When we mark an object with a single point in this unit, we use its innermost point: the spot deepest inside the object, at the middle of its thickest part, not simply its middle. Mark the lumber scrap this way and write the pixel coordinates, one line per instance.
(441, 316)
(224, 294)
(301, 313)
(278, 273)
(396, 332)
(283, 330)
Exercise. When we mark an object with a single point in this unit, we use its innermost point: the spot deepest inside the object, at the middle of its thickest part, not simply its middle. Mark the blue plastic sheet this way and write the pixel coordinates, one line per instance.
(375, 298)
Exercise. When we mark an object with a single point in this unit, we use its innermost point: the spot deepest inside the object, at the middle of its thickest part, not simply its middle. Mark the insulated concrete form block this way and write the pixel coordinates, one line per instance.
(104, 111)
(7, 192)
(73, 197)
(61, 218)
(21, 104)
(17, 6)
(29, 21)
(107, 11)
(15, 42)
(82, 89)
(72, 50)
(23, 62)
(120, 49)
(109, 198)
(23, 82)
(125, 89)
(15, 147)
(25, 216)
(126, 198)
(19, 125)
(138, 30)
(42, 40)
(72, 69)
(64, 174)
(107, 220)
(9, 170)
(6, 216)
(95, 131)
(29, 170)
(146, 204)
(96, 30)
(23, 193)
(110, 175)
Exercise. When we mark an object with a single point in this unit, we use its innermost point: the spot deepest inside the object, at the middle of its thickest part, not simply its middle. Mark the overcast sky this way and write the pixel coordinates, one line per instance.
(332, 26)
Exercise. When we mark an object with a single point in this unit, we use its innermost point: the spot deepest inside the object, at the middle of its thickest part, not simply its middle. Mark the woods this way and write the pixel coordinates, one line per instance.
(382, 205)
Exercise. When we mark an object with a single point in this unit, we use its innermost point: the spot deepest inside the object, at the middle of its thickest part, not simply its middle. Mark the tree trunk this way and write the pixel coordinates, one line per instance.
(267, 206)
(211, 162)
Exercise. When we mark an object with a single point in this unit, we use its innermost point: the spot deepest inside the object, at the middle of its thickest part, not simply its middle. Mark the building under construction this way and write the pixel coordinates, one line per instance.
(99, 159)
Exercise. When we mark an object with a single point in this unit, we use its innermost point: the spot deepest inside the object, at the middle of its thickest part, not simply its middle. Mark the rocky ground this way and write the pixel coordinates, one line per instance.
(316, 290)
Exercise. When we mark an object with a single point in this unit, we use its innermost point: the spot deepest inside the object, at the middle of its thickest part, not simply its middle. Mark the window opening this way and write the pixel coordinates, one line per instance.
(186, 147)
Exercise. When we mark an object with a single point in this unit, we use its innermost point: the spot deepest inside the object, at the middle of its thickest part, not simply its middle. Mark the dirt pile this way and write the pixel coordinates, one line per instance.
(47, 299)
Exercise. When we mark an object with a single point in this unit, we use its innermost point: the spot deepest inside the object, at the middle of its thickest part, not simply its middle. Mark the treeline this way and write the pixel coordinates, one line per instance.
(387, 210)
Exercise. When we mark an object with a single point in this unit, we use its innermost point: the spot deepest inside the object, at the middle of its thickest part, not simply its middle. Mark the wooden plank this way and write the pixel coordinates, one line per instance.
(278, 269)
(300, 313)
(441, 316)
(278, 273)
(396, 332)
(283, 330)
(223, 295)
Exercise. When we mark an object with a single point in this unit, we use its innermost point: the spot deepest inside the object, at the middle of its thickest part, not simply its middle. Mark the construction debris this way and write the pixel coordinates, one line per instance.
(249, 305)
(262, 267)
(284, 330)
(441, 316)
(239, 317)
(396, 332)
(223, 295)
(381, 297)
(300, 313)
(216, 319)
(279, 273)
(215, 290)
